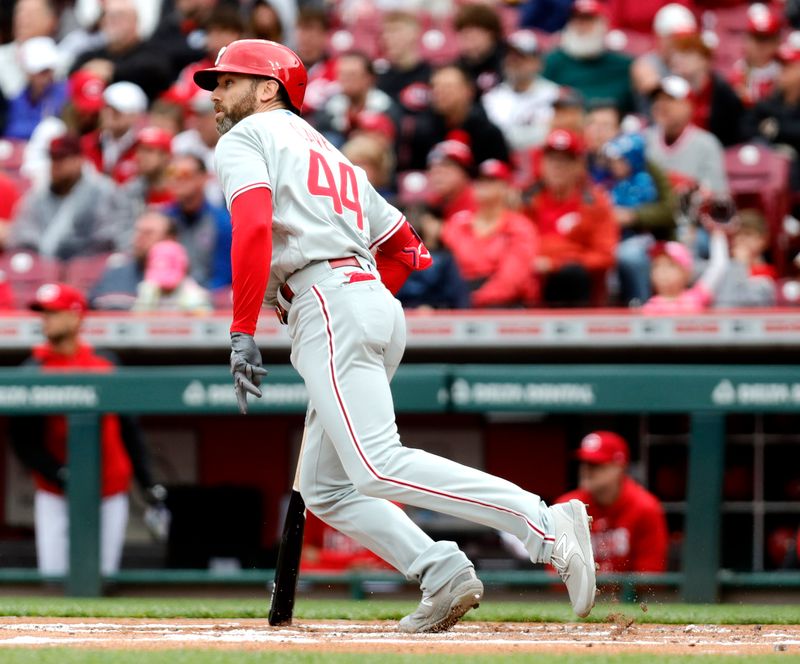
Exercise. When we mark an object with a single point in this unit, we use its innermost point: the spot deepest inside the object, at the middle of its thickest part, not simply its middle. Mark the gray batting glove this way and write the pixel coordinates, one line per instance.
(246, 368)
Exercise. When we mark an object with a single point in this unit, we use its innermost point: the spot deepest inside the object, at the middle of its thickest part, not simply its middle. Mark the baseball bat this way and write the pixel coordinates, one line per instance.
(287, 568)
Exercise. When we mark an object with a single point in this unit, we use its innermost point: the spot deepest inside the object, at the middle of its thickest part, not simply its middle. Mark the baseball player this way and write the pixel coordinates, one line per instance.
(311, 233)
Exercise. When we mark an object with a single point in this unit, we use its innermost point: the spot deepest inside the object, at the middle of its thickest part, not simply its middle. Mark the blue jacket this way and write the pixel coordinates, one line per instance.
(440, 286)
(24, 114)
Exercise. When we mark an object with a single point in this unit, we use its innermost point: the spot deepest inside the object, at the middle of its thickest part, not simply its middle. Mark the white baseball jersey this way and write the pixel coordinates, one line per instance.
(323, 206)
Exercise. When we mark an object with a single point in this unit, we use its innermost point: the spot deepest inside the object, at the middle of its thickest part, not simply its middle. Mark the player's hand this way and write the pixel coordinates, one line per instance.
(246, 368)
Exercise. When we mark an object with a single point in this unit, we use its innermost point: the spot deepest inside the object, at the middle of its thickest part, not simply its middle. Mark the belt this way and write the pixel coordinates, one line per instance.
(350, 261)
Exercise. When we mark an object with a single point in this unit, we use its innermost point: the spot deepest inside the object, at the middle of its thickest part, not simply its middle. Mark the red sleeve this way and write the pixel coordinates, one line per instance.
(251, 254)
(399, 255)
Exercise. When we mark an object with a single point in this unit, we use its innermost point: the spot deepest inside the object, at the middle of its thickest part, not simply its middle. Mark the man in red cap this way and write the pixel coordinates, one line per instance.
(450, 171)
(755, 74)
(629, 533)
(583, 62)
(40, 442)
(575, 220)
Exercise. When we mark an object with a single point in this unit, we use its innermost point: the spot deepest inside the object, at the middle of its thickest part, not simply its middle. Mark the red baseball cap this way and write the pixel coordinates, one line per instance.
(374, 122)
(789, 51)
(588, 8)
(86, 91)
(155, 137)
(603, 447)
(451, 150)
(762, 21)
(494, 169)
(59, 297)
(564, 140)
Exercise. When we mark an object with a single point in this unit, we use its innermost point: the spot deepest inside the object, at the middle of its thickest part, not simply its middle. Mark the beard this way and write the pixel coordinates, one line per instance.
(584, 46)
(239, 110)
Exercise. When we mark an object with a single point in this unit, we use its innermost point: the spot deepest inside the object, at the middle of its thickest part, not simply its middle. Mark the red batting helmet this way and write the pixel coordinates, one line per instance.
(259, 57)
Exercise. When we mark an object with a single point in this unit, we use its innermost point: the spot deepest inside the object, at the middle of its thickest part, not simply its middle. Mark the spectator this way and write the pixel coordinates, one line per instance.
(716, 107)
(178, 38)
(200, 139)
(671, 21)
(441, 286)
(41, 443)
(369, 152)
(356, 78)
(776, 119)
(62, 220)
(149, 188)
(224, 25)
(167, 285)
(671, 274)
(631, 185)
(406, 78)
(677, 145)
(755, 75)
(749, 281)
(167, 115)
(265, 22)
(125, 57)
(629, 531)
(31, 18)
(117, 287)
(494, 247)
(112, 147)
(313, 26)
(640, 225)
(453, 107)
(85, 100)
(43, 96)
(522, 105)
(203, 228)
(584, 63)
(479, 36)
(575, 220)
(450, 168)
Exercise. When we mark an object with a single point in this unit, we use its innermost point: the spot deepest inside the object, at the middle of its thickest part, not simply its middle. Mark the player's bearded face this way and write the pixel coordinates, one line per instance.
(237, 108)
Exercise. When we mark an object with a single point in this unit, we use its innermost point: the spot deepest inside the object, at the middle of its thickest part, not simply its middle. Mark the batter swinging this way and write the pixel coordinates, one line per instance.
(312, 233)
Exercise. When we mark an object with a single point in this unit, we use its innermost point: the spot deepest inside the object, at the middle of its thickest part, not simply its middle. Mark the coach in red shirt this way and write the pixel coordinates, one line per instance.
(629, 533)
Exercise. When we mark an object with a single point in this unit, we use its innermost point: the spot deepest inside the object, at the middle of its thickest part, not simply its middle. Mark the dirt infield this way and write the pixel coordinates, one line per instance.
(618, 635)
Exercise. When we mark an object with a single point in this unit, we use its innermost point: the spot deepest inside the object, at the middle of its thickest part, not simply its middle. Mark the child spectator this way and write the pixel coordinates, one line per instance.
(753, 77)
(749, 281)
(494, 246)
(671, 274)
(441, 286)
(167, 285)
(630, 184)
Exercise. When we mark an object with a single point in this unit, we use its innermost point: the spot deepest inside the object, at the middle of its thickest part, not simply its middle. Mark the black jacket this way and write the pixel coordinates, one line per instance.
(726, 112)
(786, 116)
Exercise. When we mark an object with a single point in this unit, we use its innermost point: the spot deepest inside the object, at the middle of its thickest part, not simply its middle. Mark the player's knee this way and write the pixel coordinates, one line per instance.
(368, 485)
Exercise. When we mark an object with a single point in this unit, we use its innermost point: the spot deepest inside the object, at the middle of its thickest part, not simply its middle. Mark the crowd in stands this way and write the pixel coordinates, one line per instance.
(551, 153)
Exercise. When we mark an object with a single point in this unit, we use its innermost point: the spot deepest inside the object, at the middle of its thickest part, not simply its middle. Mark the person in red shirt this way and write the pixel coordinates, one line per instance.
(629, 532)
(575, 220)
(494, 247)
(41, 443)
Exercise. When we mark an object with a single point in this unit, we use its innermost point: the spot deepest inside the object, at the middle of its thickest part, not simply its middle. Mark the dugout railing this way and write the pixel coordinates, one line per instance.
(706, 393)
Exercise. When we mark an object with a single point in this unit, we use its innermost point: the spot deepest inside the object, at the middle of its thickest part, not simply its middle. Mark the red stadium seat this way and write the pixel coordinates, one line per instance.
(25, 272)
(759, 177)
(83, 272)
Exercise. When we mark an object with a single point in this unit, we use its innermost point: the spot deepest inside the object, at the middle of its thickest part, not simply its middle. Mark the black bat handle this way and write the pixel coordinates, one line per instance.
(288, 566)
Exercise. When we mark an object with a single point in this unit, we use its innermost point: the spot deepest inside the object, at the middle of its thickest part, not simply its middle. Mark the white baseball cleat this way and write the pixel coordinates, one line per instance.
(440, 611)
(572, 554)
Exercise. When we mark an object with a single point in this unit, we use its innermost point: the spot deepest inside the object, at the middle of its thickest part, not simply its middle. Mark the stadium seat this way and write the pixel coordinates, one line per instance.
(759, 177)
(83, 272)
(25, 272)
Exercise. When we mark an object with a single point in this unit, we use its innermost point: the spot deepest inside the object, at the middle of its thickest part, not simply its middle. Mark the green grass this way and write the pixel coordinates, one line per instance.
(316, 609)
(71, 656)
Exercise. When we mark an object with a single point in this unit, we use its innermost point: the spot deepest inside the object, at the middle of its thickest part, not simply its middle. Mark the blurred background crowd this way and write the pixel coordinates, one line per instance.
(551, 153)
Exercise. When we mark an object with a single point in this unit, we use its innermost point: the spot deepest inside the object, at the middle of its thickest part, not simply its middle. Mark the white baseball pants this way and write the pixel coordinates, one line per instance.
(347, 341)
(51, 514)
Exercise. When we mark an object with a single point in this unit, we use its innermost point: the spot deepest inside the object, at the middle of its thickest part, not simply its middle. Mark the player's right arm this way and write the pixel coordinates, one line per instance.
(243, 173)
(398, 248)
